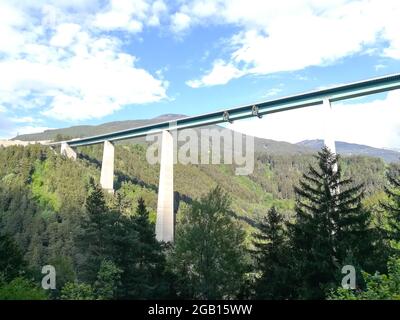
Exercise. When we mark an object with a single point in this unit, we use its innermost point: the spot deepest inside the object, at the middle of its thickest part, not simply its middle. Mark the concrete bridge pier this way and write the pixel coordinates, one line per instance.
(107, 167)
(67, 151)
(329, 140)
(165, 222)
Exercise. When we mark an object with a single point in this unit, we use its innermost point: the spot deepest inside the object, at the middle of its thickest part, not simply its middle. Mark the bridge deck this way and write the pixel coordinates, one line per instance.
(342, 92)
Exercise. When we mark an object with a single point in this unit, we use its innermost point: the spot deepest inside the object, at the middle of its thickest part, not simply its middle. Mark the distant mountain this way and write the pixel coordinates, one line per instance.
(350, 149)
(260, 145)
(86, 131)
(393, 149)
(169, 117)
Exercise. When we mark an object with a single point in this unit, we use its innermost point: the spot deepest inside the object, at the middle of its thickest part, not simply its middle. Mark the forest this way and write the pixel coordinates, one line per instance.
(284, 232)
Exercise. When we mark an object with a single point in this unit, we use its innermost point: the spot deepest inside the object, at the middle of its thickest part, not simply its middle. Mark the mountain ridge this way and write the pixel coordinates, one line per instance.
(261, 145)
(351, 149)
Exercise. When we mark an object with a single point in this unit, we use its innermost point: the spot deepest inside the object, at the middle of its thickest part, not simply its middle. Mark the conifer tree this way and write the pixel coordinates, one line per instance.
(144, 227)
(93, 240)
(144, 279)
(331, 227)
(126, 242)
(271, 255)
(393, 204)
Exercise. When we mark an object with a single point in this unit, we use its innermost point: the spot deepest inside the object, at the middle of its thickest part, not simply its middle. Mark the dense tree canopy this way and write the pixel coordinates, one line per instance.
(103, 246)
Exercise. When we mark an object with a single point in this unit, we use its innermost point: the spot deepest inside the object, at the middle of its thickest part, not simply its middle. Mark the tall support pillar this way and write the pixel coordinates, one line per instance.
(165, 223)
(329, 140)
(107, 167)
(67, 151)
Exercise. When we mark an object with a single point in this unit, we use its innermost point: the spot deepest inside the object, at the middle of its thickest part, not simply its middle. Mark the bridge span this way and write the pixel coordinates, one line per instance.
(165, 224)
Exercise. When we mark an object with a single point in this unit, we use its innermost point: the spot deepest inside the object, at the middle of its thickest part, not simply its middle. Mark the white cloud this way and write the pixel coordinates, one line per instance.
(11, 20)
(180, 21)
(221, 73)
(65, 34)
(379, 67)
(29, 129)
(158, 9)
(272, 92)
(375, 123)
(291, 35)
(11, 132)
(22, 119)
(130, 15)
(58, 65)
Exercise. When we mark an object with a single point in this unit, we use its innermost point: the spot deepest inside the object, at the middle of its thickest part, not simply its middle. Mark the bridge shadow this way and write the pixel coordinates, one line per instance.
(122, 177)
(89, 159)
(248, 220)
(178, 197)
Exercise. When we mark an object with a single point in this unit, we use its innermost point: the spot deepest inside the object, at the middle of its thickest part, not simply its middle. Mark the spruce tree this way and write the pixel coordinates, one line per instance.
(331, 227)
(129, 243)
(392, 206)
(95, 233)
(271, 256)
(144, 227)
(143, 276)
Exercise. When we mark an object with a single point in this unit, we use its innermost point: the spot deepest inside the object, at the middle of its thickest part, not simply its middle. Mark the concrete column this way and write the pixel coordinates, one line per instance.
(107, 167)
(329, 140)
(165, 223)
(67, 151)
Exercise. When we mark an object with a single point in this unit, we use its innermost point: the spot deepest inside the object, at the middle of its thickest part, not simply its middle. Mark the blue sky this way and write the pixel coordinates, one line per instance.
(65, 63)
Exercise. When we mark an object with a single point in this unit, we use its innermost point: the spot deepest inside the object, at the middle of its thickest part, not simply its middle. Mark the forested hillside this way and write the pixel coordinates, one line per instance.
(46, 203)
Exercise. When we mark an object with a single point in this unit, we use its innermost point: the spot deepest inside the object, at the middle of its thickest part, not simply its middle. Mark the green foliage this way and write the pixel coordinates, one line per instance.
(104, 288)
(61, 137)
(95, 203)
(331, 228)
(271, 253)
(11, 259)
(41, 191)
(77, 291)
(370, 172)
(392, 205)
(378, 286)
(136, 250)
(129, 242)
(127, 196)
(208, 257)
(108, 280)
(21, 289)
(65, 270)
(94, 239)
(46, 209)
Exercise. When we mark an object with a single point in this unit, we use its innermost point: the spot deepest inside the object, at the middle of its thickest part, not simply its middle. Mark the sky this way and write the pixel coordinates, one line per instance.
(74, 62)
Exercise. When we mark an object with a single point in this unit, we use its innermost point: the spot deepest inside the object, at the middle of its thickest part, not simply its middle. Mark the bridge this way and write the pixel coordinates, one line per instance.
(165, 222)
